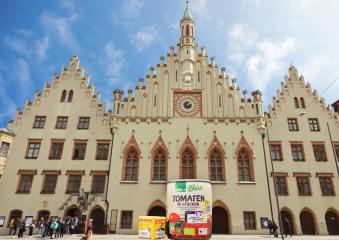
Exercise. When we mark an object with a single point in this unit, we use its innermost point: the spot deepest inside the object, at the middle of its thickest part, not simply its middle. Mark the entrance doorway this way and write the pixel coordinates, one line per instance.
(157, 211)
(286, 215)
(307, 223)
(98, 216)
(16, 214)
(73, 212)
(219, 221)
(43, 214)
(332, 222)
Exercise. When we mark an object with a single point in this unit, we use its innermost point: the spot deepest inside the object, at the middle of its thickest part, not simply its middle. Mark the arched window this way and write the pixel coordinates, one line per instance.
(188, 164)
(155, 100)
(176, 76)
(118, 110)
(219, 101)
(182, 31)
(192, 31)
(245, 168)
(296, 102)
(70, 96)
(63, 96)
(159, 165)
(302, 103)
(187, 30)
(198, 76)
(131, 165)
(216, 166)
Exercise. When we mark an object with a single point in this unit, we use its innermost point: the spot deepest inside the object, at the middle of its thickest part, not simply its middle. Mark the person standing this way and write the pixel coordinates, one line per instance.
(22, 229)
(288, 229)
(11, 227)
(274, 229)
(31, 228)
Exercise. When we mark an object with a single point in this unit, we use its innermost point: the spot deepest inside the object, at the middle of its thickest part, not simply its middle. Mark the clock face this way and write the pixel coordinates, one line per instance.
(187, 104)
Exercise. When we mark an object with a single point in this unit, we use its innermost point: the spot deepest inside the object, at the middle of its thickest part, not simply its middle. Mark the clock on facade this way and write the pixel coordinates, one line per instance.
(187, 104)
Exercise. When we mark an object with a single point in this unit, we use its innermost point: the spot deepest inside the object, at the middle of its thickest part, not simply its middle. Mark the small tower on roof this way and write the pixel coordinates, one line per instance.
(187, 27)
(187, 48)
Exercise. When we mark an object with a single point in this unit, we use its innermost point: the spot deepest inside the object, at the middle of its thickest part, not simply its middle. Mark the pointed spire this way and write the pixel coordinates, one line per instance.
(187, 13)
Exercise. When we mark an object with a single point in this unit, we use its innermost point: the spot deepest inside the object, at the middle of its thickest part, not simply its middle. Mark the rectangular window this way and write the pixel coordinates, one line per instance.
(126, 219)
(297, 152)
(83, 123)
(25, 183)
(39, 122)
(61, 122)
(74, 182)
(102, 151)
(314, 124)
(33, 149)
(49, 184)
(4, 148)
(276, 152)
(98, 184)
(56, 150)
(249, 221)
(303, 186)
(293, 124)
(319, 152)
(281, 185)
(326, 186)
(79, 150)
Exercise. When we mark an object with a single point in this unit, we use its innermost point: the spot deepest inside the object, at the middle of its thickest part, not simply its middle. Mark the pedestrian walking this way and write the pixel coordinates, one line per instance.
(270, 227)
(287, 226)
(88, 235)
(274, 229)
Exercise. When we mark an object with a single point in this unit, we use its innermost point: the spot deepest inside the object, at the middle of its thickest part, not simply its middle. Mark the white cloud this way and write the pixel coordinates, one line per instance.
(114, 63)
(68, 4)
(200, 9)
(24, 32)
(22, 75)
(16, 44)
(261, 58)
(268, 61)
(61, 27)
(129, 9)
(143, 38)
(42, 46)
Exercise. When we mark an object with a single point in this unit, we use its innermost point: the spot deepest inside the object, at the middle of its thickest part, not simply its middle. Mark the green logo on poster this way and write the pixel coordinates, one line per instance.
(180, 186)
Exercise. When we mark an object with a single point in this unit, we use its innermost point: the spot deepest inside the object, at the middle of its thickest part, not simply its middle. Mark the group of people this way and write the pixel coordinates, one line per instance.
(272, 227)
(53, 227)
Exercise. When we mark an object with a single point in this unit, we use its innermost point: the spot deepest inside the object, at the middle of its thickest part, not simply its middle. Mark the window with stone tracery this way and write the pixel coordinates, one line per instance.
(216, 166)
(245, 171)
(188, 165)
(131, 165)
(159, 165)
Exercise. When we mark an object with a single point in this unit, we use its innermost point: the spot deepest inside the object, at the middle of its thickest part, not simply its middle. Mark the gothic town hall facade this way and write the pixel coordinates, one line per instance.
(186, 120)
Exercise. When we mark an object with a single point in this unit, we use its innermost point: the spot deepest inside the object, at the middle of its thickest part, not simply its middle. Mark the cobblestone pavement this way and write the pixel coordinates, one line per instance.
(215, 237)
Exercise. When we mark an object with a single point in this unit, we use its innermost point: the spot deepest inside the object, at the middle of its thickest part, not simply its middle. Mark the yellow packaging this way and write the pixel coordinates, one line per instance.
(151, 227)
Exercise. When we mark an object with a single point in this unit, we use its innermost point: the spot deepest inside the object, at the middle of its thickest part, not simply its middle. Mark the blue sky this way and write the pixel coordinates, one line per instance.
(117, 42)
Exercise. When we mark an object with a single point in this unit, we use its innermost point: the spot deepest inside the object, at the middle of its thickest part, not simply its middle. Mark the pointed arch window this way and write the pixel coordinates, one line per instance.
(182, 31)
(302, 103)
(296, 102)
(63, 96)
(131, 166)
(159, 171)
(216, 166)
(70, 96)
(155, 100)
(187, 30)
(245, 166)
(192, 31)
(198, 76)
(188, 164)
